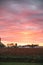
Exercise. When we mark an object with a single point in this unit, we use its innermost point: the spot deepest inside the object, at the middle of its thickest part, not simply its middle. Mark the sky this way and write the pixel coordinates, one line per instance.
(21, 21)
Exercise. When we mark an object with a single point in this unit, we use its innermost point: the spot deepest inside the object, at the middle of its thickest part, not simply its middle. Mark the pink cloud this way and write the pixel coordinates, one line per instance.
(21, 27)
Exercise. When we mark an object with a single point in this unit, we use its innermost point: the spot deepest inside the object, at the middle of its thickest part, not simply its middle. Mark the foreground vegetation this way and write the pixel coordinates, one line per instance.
(29, 59)
(14, 63)
(28, 55)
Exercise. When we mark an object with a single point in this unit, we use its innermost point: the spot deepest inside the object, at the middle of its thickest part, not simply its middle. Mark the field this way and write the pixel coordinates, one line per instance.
(34, 55)
(14, 63)
(21, 51)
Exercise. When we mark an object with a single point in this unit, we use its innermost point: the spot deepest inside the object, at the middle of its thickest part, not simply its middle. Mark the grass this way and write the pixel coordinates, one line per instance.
(14, 63)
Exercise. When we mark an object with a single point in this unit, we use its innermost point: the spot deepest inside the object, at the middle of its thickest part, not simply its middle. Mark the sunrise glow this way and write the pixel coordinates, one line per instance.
(21, 21)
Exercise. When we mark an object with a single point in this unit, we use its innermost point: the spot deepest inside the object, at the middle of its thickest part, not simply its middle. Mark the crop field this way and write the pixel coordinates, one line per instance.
(14, 63)
(21, 51)
(21, 55)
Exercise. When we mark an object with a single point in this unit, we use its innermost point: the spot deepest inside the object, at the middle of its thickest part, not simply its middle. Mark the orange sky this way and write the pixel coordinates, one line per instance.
(21, 23)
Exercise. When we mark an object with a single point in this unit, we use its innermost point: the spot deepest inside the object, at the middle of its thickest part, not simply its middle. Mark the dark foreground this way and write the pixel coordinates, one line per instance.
(14, 63)
(26, 55)
(25, 59)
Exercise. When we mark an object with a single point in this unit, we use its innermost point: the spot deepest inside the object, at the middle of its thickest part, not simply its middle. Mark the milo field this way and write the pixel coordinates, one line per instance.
(21, 56)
